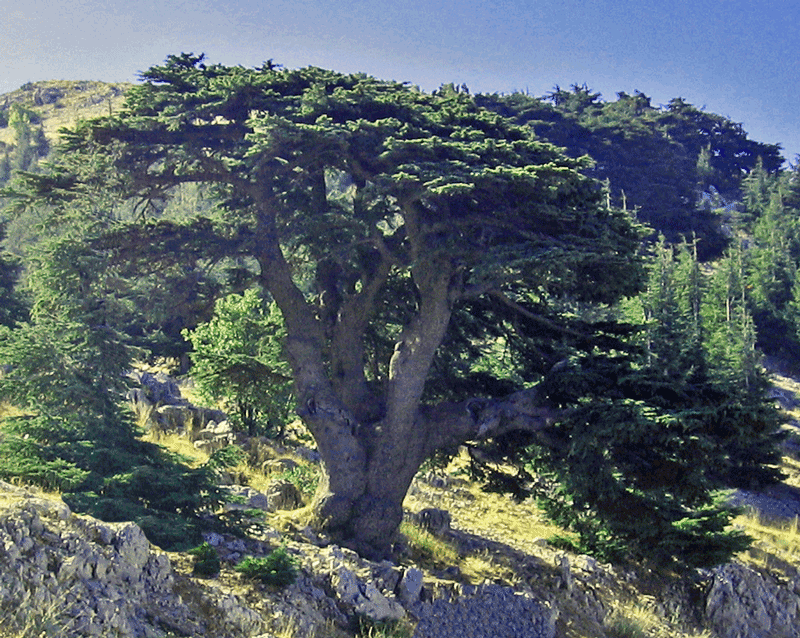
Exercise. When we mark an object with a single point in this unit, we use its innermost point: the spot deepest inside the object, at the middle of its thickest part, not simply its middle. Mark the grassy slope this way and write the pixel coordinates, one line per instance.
(78, 100)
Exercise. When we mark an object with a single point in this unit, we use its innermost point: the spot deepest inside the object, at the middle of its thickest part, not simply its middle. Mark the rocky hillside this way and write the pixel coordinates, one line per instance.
(469, 564)
(59, 103)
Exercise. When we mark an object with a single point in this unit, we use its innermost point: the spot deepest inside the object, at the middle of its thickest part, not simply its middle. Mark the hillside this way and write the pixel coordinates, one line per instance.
(449, 305)
(468, 564)
(60, 103)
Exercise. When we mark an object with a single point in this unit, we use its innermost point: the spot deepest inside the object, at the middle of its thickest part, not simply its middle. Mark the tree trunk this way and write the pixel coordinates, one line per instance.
(369, 461)
(359, 502)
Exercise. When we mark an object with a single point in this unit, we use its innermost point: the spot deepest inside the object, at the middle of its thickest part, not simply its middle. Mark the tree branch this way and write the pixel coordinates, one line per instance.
(499, 296)
(477, 419)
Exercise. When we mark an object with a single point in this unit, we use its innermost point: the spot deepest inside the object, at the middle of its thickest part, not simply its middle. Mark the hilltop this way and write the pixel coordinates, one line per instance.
(60, 103)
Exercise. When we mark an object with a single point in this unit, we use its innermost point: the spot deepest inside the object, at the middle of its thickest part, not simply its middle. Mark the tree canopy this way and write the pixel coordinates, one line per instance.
(444, 276)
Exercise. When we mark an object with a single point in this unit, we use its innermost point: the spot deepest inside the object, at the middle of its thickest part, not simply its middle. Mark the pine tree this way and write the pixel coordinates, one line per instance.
(72, 430)
(731, 342)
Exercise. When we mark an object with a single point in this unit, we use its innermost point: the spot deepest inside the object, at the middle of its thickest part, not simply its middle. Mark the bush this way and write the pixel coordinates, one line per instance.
(304, 477)
(206, 560)
(278, 568)
(237, 359)
(229, 456)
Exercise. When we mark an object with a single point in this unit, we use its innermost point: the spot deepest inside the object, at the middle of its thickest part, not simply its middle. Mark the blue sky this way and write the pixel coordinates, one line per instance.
(737, 58)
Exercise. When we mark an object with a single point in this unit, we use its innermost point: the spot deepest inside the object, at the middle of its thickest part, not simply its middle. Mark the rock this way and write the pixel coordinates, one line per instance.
(492, 612)
(410, 586)
(365, 598)
(742, 603)
(278, 466)
(283, 495)
(436, 521)
(92, 578)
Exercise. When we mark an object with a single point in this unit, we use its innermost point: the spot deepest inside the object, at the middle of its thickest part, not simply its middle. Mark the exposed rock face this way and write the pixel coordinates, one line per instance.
(158, 402)
(83, 577)
(742, 603)
(490, 611)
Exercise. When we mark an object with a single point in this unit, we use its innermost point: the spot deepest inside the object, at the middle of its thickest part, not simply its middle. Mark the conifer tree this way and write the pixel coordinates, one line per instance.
(732, 336)
(71, 430)
(405, 237)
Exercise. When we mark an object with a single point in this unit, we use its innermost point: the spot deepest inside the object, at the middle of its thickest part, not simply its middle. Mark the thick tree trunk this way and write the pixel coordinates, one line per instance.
(359, 502)
(371, 447)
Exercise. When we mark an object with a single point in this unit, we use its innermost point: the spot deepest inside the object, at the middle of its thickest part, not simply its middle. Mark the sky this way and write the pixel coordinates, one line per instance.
(740, 59)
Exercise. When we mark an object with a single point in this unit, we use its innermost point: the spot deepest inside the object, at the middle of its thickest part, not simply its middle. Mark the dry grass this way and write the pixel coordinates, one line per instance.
(30, 620)
(81, 100)
(8, 410)
(179, 445)
(428, 551)
(633, 619)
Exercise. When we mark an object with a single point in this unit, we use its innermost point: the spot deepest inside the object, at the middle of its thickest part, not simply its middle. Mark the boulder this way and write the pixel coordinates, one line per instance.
(436, 521)
(284, 495)
(743, 603)
(491, 611)
(92, 578)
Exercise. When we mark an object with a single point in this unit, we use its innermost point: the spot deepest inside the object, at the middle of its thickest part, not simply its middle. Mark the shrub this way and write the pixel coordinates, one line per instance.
(304, 477)
(206, 560)
(278, 568)
(237, 359)
(229, 456)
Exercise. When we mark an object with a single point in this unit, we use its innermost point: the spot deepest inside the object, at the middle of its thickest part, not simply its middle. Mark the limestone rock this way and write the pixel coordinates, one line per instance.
(284, 495)
(410, 586)
(491, 612)
(742, 603)
(436, 521)
(92, 578)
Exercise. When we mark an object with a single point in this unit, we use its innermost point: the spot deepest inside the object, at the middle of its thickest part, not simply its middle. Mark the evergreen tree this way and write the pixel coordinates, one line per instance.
(12, 306)
(66, 376)
(399, 233)
(732, 337)
(236, 356)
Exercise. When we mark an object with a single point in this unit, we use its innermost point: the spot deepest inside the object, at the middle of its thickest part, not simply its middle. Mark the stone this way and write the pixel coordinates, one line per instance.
(410, 586)
(742, 603)
(279, 466)
(377, 606)
(436, 521)
(493, 612)
(283, 495)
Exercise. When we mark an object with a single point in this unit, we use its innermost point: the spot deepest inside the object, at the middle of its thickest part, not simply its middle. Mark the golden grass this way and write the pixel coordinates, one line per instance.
(179, 445)
(428, 551)
(8, 410)
(632, 619)
(776, 544)
(93, 100)
(32, 621)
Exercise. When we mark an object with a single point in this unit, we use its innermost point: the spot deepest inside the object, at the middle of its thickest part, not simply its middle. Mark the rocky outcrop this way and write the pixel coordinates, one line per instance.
(489, 611)
(73, 575)
(744, 603)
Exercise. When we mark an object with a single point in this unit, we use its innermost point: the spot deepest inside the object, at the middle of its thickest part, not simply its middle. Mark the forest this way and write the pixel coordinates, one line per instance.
(584, 292)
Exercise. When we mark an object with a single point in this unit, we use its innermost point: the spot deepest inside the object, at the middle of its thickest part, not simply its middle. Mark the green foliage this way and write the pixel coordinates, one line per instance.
(277, 568)
(651, 437)
(368, 628)
(206, 560)
(228, 456)
(12, 305)
(424, 249)
(237, 359)
(66, 377)
(625, 628)
(655, 160)
(305, 478)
